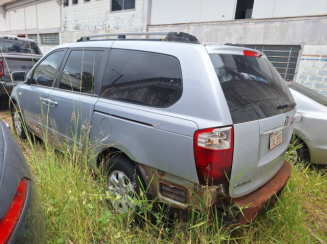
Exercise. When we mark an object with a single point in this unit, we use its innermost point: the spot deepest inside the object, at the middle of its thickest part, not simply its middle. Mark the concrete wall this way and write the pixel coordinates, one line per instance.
(96, 17)
(313, 68)
(191, 11)
(288, 31)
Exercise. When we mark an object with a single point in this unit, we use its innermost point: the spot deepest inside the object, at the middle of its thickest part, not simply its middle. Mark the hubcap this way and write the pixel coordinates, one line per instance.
(121, 188)
(17, 123)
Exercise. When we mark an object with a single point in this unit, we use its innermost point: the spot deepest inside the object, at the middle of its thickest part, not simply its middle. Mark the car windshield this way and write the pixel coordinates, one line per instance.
(308, 93)
(252, 87)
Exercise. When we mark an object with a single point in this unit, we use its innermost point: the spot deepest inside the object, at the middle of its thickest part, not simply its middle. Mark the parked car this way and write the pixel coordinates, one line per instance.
(17, 55)
(311, 131)
(186, 114)
(21, 214)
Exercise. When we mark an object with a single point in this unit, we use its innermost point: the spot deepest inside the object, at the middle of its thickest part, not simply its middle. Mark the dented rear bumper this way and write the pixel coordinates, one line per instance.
(245, 209)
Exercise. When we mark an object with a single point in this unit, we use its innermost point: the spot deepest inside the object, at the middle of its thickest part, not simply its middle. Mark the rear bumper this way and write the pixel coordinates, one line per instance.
(245, 209)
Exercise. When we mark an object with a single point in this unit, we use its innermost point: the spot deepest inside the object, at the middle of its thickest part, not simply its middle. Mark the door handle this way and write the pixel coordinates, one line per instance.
(52, 103)
(45, 100)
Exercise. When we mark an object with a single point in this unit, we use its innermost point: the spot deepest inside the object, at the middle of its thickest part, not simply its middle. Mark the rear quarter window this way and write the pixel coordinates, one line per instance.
(16, 46)
(143, 78)
(252, 87)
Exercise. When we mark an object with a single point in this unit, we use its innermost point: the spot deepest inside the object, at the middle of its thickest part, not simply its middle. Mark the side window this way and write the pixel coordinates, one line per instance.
(143, 78)
(46, 72)
(80, 71)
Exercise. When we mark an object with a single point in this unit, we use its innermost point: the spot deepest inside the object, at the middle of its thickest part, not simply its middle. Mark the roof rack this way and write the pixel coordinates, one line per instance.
(170, 36)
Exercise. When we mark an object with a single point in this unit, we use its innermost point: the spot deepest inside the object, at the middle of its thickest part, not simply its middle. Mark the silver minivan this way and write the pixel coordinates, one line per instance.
(189, 120)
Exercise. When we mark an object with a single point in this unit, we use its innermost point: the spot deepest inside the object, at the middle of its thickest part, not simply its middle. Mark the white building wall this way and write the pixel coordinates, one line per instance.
(191, 11)
(288, 8)
(48, 15)
(4, 23)
(31, 17)
(96, 17)
(17, 19)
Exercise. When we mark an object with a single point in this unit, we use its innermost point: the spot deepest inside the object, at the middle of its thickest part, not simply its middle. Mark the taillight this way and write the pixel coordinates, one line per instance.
(1, 69)
(213, 151)
(251, 53)
(11, 217)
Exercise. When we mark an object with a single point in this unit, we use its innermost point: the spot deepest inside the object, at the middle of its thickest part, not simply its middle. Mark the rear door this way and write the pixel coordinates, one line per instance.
(255, 94)
(73, 99)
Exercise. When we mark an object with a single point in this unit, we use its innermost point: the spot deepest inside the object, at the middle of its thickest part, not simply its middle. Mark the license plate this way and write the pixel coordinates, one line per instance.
(275, 139)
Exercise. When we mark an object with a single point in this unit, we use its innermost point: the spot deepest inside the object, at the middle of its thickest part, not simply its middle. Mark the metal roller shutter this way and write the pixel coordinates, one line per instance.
(284, 58)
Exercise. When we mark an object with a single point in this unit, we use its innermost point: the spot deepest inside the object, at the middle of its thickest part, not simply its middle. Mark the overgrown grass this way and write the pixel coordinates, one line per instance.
(77, 210)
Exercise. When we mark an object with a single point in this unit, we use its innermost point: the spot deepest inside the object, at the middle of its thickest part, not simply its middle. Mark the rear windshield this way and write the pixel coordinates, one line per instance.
(252, 87)
(309, 93)
(17, 46)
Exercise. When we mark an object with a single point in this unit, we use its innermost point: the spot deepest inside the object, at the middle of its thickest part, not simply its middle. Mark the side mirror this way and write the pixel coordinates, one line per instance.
(18, 76)
(28, 80)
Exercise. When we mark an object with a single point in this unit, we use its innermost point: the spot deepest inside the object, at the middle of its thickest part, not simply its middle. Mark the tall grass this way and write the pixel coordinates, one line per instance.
(77, 209)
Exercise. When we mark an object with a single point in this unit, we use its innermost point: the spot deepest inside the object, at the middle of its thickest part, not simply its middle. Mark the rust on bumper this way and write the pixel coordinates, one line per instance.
(252, 205)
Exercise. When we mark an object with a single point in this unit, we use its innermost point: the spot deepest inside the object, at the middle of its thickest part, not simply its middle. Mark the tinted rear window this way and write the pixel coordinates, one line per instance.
(252, 87)
(309, 93)
(143, 78)
(20, 47)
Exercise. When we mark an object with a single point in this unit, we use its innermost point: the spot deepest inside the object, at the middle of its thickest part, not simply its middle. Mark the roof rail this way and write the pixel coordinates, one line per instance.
(123, 35)
(170, 36)
(235, 44)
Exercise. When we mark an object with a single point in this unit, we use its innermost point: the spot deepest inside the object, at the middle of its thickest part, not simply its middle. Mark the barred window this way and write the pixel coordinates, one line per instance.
(66, 3)
(50, 39)
(33, 37)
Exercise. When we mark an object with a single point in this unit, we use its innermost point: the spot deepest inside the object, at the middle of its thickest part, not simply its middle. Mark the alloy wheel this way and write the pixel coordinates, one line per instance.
(17, 123)
(122, 189)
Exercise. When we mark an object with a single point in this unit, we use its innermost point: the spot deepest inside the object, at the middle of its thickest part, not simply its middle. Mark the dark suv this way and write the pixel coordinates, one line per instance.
(17, 57)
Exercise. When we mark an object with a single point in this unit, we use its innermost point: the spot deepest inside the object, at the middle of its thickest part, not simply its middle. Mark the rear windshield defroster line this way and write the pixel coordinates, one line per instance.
(252, 87)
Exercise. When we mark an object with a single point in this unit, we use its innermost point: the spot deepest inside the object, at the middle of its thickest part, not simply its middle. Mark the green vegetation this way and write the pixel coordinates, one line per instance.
(77, 209)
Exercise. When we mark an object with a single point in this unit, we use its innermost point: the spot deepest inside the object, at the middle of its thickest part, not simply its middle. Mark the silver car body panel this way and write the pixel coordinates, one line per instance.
(312, 128)
(254, 163)
(162, 138)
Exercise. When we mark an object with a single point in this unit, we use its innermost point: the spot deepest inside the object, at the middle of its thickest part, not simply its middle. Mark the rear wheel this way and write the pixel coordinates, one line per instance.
(124, 184)
(17, 122)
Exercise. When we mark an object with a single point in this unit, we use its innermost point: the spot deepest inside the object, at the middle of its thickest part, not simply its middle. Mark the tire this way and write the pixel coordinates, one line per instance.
(18, 122)
(124, 183)
(303, 153)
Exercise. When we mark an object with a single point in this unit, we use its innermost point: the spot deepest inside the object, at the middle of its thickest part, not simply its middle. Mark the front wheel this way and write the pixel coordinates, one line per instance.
(302, 151)
(18, 124)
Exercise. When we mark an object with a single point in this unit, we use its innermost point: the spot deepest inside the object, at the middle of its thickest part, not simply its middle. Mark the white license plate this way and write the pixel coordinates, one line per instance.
(275, 139)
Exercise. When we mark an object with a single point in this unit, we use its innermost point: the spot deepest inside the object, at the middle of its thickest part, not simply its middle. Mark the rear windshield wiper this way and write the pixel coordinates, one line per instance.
(286, 105)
